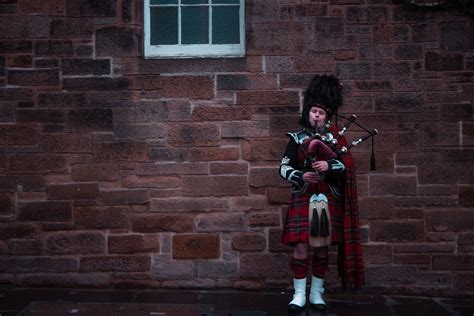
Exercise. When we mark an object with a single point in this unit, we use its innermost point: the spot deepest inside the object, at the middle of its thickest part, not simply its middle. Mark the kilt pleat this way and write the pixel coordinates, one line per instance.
(296, 227)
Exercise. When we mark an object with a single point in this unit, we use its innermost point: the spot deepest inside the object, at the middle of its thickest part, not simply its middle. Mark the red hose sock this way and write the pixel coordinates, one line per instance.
(320, 262)
(299, 267)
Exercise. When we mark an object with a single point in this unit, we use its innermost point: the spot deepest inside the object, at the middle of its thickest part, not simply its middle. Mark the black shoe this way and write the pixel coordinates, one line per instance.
(295, 308)
(319, 307)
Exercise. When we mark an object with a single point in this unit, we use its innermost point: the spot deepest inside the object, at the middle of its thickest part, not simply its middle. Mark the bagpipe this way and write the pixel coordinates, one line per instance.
(327, 147)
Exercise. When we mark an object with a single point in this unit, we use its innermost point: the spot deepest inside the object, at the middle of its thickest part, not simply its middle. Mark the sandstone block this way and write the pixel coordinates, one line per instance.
(134, 243)
(95, 84)
(75, 243)
(221, 113)
(246, 82)
(449, 220)
(196, 246)
(166, 269)
(185, 204)
(123, 197)
(24, 247)
(63, 280)
(51, 211)
(180, 223)
(265, 177)
(214, 185)
(401, 231)
(120, 151)
(85, 66)
(220, 222)
(39, 77)
(248, 242)
(377, 253)
(435, 61)
(204, 134)
(391, 275)
(117, 42)
(37, 264)
(17, 230)
(115, 263)
(82, 8)
(267, 97)
(453, 262)
(80, 191)
(95, 172)
(260, 265)
(163, 111)
(264, 219)
(93, 217)
(213, 154)
(71, 28)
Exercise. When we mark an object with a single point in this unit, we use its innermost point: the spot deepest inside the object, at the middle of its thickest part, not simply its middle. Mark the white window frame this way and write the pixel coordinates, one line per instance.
(193, 50)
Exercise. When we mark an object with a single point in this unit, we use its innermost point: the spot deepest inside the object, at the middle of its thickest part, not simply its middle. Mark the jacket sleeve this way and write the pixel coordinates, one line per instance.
(287, 164)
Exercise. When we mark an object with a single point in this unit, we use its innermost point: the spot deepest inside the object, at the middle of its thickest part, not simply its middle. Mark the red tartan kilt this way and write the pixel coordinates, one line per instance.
(296, 228)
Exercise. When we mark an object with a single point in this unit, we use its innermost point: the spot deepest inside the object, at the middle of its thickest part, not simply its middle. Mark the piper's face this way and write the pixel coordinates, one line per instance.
(317, 117)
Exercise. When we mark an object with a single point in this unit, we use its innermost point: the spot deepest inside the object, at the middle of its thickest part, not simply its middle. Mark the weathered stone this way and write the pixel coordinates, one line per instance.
(38, 77)
(24, 247)
(196, 246)
(402, 231)
(443, 61)
(379, 275)
(95, 172)
(377, 253)
(248, 242)
(117, 42)
(122, 197)
(71, 28)
(214, 185)
(115, 263)
(261, 265)
(449, 220)
(69, 280)
(219, 222)
(75, 243)
(82, 8)
(183, 204)
(205, 134)
(83, 191)
(163, 222)
(18, 231)
(93, 217)
(84, 66)
(453, 262)
(120, 151)
(128, 244)
(166, 269)
(37, 264)
(52, 211)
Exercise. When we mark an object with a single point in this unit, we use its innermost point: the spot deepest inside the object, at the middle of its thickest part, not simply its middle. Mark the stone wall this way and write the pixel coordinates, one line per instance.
(120, 171)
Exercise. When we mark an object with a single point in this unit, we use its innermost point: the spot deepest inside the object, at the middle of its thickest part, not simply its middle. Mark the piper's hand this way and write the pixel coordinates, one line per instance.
(320, 166)
(311, 177)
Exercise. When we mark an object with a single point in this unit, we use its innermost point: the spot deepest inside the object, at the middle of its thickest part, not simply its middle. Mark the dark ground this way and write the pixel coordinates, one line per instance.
(52, 302)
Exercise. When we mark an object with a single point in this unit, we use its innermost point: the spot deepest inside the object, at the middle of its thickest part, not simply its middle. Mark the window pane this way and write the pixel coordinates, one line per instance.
(194, 1)
(195, 25)
(225, 25)
(164, 25)
(225, 1)
(163, 1)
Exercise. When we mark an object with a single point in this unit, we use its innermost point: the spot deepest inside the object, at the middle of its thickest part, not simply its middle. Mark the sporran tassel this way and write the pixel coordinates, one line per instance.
(324, 224)
(314, 231)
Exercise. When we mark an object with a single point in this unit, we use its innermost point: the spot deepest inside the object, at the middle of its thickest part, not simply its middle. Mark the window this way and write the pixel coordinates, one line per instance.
(194, 28)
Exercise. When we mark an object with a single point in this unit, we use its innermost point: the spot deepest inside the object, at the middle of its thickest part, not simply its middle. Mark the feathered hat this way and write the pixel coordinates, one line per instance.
(324, 91)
